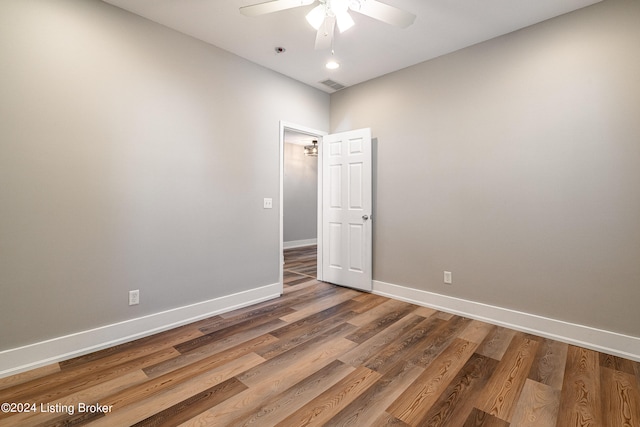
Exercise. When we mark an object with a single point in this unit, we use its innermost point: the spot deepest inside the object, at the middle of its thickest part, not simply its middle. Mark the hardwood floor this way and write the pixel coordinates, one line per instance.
(327, 355)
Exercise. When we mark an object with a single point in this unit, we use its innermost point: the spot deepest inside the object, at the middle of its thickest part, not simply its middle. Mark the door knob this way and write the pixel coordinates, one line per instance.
(365, 217)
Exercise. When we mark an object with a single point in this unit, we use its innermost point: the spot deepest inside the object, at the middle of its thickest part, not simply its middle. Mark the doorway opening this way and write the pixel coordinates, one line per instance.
(300, 190)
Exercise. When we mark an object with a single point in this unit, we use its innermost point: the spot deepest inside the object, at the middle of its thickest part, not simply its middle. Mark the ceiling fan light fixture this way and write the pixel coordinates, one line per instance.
(328, 13)
(337, 7)
(344, 21)
(315, 18)
(311, 150)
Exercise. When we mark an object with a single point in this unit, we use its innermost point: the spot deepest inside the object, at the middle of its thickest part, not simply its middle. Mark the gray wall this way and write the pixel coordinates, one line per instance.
(131, 157)
(515, 164)
(300, 194)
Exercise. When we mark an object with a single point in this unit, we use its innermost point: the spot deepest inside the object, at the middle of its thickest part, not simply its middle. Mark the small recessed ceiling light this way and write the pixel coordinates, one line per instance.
(332, 65)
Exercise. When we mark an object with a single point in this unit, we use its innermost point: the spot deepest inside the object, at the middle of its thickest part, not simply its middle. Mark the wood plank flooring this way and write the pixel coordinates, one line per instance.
(327, 355)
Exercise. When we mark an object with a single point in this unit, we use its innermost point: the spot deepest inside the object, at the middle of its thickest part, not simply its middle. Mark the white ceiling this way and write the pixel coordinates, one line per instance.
(369, 49)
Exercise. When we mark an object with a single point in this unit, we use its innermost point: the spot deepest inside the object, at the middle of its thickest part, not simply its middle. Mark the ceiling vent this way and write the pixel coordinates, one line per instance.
(333, 85)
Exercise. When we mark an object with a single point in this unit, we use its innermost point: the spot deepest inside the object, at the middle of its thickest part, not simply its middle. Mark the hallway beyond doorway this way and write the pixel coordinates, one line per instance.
(299, 262)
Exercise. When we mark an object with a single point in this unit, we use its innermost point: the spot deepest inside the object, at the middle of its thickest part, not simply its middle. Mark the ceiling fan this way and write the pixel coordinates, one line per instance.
(329, 13)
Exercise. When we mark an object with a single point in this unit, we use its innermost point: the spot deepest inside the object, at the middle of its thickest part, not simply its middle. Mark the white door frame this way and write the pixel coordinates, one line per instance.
(311, 132)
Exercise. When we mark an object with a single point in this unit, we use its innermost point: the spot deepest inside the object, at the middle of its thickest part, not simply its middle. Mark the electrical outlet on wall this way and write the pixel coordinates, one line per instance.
(447, 277)
(268, 203)
(134, 297)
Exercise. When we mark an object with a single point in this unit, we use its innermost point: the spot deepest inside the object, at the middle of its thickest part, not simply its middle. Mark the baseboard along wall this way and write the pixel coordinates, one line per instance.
(17, 360)
(600, 340)
(299, 243)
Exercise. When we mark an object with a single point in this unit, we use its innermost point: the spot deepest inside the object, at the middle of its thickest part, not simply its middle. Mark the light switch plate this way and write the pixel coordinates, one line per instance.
(134, 297)
(268, 203)
(447, 277)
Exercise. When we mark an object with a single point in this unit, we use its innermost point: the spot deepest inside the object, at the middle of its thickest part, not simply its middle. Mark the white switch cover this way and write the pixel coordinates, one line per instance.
(134, 297)
(268, 203)
(447, 277)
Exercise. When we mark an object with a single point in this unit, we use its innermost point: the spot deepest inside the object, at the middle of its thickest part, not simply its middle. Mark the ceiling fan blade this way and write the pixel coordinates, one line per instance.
(385, 13)
(324, 37)
(272, 6)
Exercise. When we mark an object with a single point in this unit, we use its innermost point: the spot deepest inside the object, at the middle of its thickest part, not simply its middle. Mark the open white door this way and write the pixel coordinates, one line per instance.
(346, 209)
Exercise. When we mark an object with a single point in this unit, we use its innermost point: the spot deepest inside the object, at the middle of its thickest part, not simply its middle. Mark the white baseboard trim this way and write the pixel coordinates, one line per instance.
(299, 243)
(20, 359)
(584, 336)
